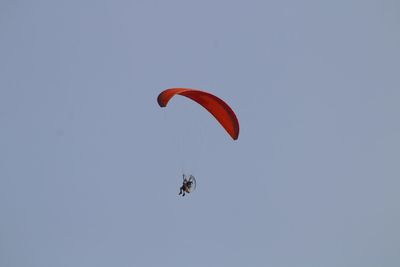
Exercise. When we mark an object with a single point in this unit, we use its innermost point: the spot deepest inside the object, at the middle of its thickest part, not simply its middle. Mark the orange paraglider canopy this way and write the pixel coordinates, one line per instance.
(216, 106)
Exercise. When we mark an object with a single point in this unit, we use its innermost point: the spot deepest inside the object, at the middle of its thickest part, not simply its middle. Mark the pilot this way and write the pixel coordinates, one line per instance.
(186, 186)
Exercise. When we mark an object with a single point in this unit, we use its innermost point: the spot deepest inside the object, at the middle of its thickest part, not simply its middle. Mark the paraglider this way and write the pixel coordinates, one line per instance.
(188, 185)
(221, 111)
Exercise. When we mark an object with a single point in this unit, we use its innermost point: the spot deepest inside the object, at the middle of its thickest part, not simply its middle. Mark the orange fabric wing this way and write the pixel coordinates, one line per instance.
(216, 106)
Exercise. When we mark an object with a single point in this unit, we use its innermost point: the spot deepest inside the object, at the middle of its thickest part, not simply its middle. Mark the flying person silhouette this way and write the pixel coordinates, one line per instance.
(188, 185)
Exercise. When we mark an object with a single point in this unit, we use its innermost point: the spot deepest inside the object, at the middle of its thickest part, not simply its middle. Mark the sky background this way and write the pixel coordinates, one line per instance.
(90, 166)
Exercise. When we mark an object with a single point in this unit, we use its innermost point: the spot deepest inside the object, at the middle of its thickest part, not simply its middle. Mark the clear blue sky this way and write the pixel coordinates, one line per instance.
(90, 165)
